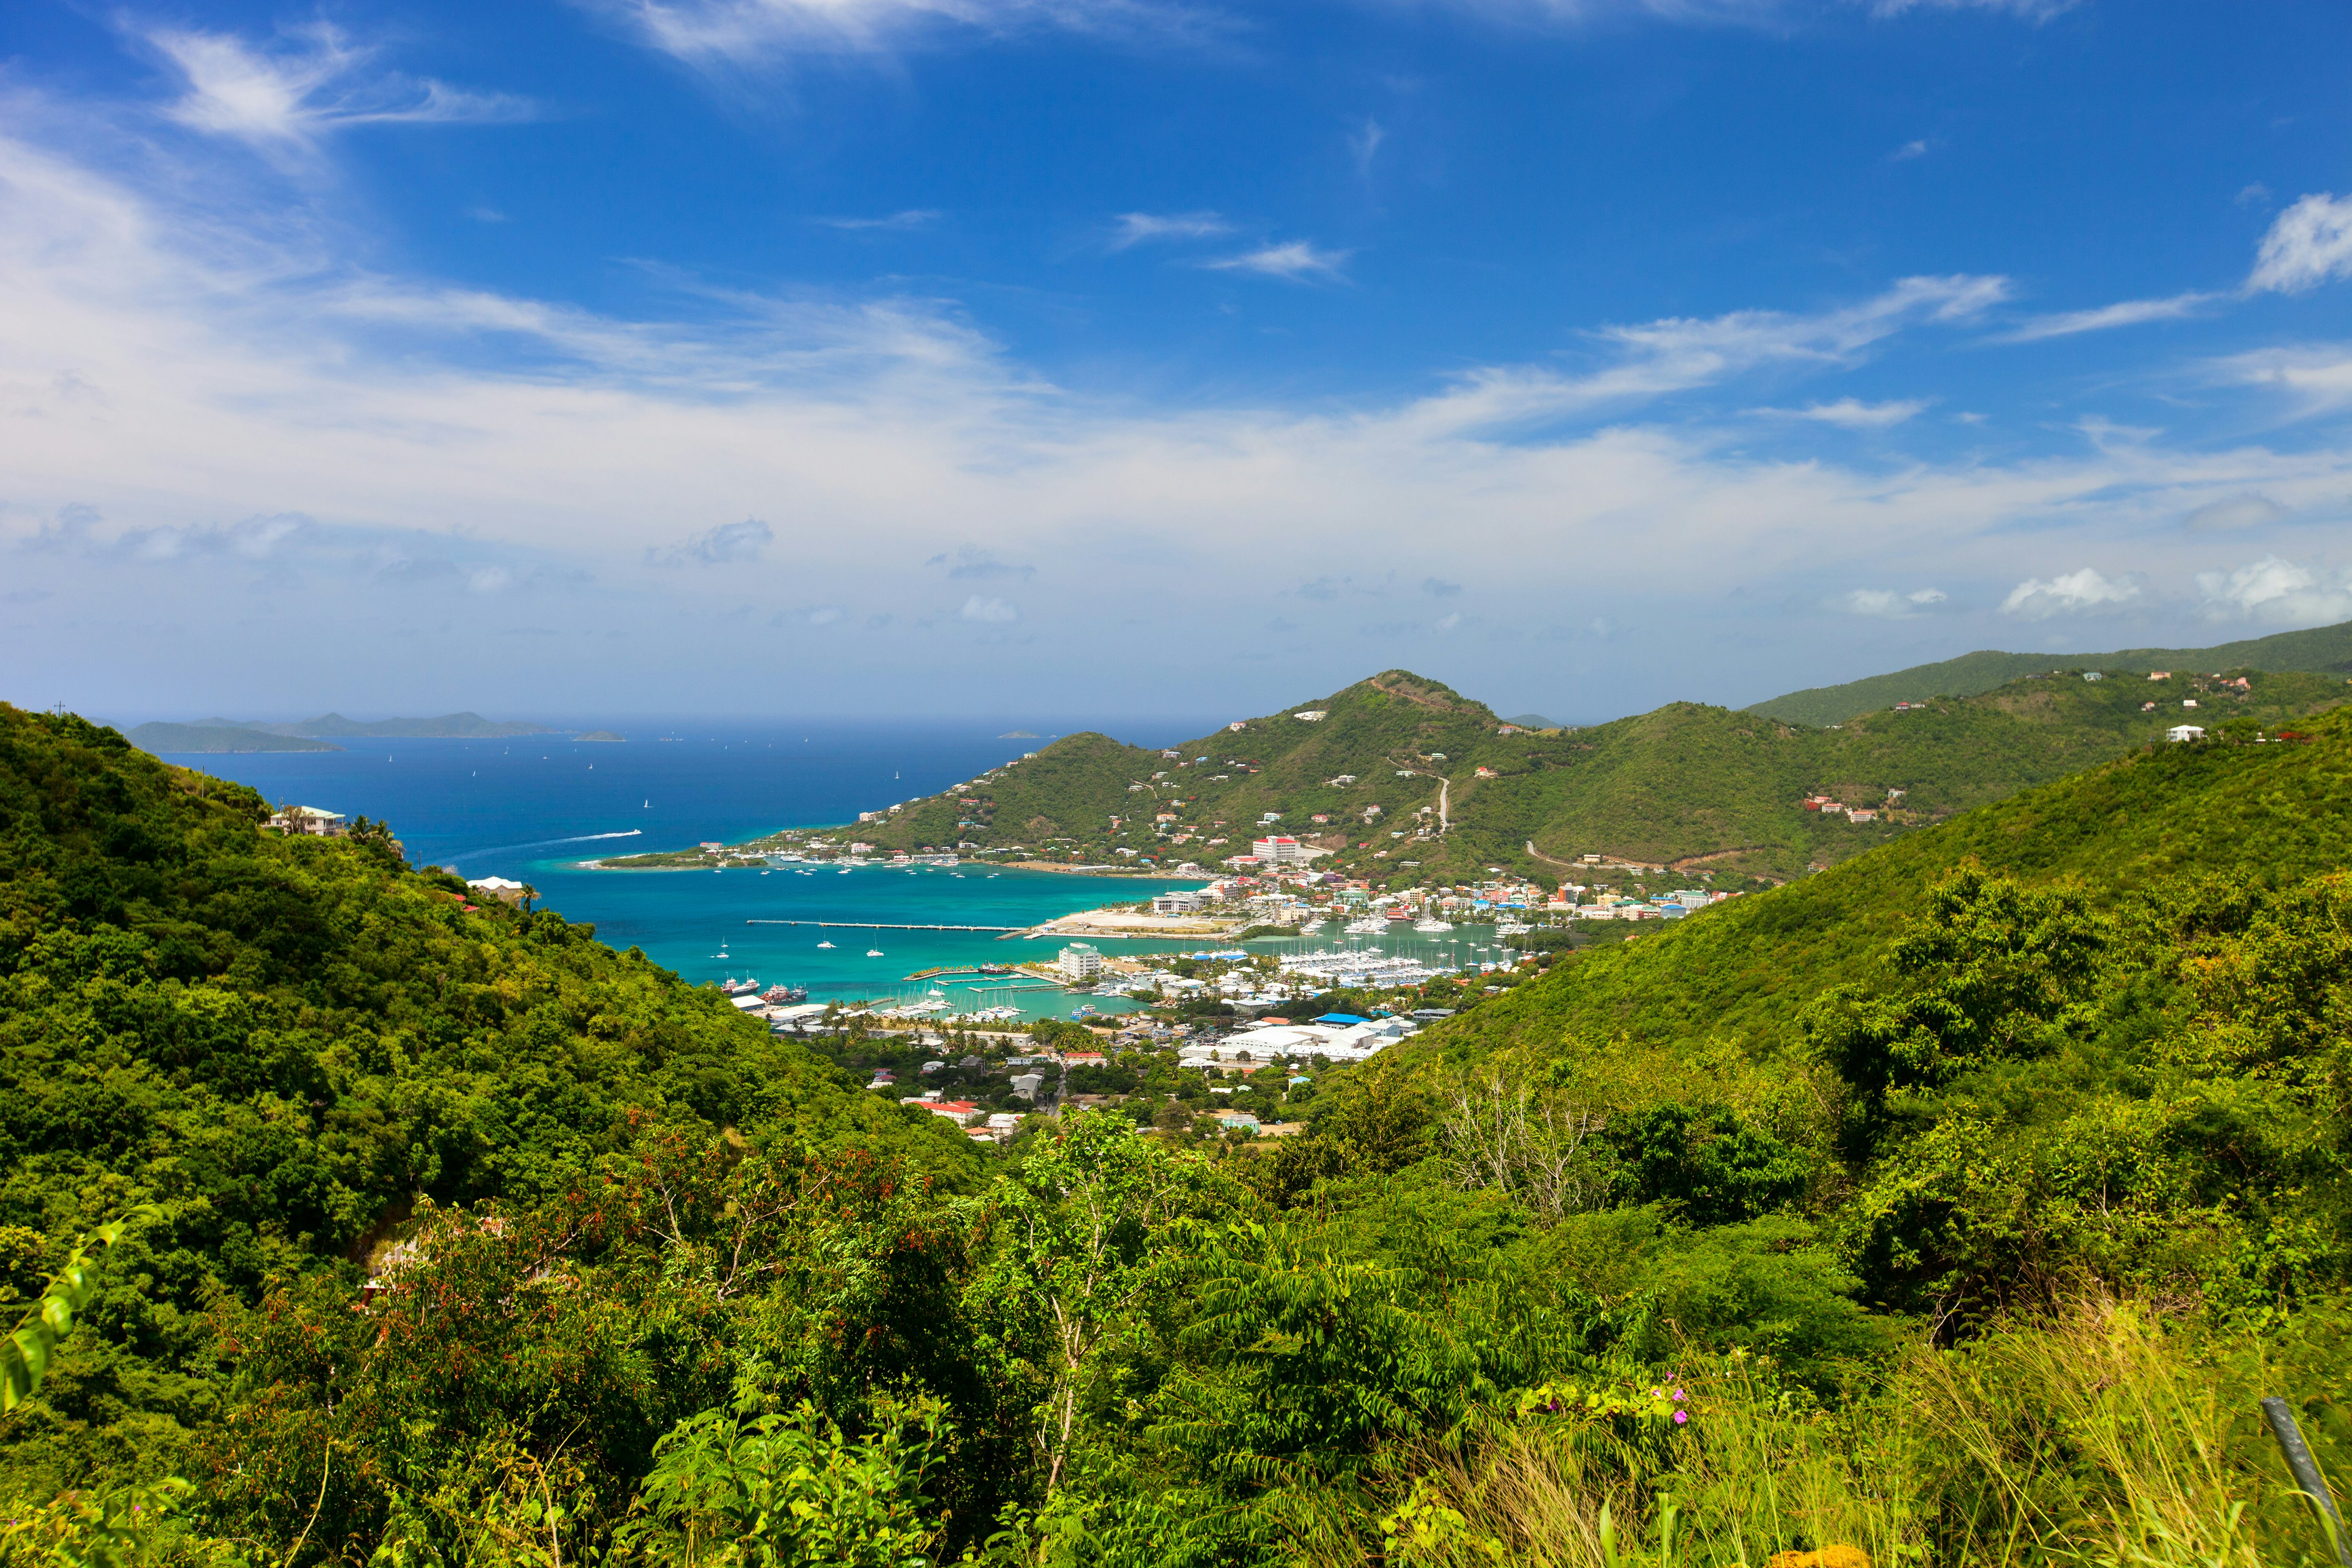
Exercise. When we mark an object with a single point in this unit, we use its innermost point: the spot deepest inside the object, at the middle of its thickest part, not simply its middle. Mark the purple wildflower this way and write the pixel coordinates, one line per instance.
(1680, 1417)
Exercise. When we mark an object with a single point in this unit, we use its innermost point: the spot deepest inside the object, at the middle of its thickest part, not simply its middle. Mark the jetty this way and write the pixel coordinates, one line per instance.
(947, 969)
(878, 925)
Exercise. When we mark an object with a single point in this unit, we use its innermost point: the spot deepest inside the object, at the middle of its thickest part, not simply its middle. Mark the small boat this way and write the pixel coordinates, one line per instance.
(873, 953)
(825, 945)
(763, 873)
(842, 872)
(1434, 924)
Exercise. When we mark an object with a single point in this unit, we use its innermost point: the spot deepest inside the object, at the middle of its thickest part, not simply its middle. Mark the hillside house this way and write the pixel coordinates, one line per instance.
(2185, 732)
(315, 820)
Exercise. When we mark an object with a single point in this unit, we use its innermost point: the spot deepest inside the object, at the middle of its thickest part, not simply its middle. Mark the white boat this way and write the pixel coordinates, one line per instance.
(873, 953)
(825, 945)
(1370, 925)
(842, 872)
(1433, 925)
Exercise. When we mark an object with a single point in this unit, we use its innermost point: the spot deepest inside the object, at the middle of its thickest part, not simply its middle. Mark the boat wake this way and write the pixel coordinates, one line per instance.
(546, 843)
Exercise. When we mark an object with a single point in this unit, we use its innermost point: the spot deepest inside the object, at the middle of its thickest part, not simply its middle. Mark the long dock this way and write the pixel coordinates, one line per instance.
(877, 925)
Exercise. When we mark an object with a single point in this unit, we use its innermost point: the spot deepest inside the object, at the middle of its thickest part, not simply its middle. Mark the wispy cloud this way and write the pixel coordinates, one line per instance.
(2309, 244)
(971, 562)
(1136, 229)
(1910, 150)
(309, 82)
(2103, 318)
(2037, 599)
(2030, 10)
(1888, 604)
(750, 32)
(1852, 414)
(2231, 513)
(1295, 259)
(1364, 145)
(728, 543)
(1678, 354)
(913, 217)
(989, 611)
(2318, 377)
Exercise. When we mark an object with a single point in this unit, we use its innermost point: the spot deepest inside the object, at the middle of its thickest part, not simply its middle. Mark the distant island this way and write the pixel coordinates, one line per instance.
(599, 735)
(220, 735)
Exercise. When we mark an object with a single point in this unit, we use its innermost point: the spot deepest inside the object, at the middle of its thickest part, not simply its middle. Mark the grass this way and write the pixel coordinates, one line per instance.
(2100, 1432)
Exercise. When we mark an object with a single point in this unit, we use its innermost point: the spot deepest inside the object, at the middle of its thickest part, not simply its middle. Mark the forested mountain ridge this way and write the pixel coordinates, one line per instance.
(291, 1044)
(2322, 650)
(1686, 782)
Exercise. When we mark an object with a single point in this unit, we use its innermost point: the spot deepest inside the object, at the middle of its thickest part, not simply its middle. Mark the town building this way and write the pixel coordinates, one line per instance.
(316, 820)
(1080, 961)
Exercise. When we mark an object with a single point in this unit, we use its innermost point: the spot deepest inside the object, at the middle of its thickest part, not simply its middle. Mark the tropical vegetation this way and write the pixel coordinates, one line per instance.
(1954, 1206)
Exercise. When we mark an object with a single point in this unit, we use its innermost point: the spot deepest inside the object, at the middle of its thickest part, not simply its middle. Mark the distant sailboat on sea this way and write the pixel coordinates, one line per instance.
(825, 945)
(873, 952)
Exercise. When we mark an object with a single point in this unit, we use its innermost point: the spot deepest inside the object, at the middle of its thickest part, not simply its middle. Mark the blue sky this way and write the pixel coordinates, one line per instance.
(771, 356)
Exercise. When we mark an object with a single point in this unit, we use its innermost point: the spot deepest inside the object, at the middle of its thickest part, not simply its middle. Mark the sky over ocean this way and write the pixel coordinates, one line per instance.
(890, 357)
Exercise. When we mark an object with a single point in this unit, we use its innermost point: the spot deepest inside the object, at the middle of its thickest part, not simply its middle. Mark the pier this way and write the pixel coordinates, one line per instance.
(878, 925)
(1001, 971)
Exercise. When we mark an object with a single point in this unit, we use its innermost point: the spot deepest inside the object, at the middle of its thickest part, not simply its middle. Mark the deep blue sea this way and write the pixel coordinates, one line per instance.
(536, 807)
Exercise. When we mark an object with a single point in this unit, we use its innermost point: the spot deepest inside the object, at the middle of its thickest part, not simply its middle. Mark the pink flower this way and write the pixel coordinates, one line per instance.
(1680, 1417)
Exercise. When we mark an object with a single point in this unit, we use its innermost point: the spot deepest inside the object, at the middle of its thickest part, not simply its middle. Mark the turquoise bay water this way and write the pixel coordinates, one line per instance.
(536, 807)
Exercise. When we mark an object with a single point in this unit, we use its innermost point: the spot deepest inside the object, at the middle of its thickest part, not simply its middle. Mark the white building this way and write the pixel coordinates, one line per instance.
(312, 820)
(1280, 851)
(1080, 961)
(2185, 732)
(1177, 903)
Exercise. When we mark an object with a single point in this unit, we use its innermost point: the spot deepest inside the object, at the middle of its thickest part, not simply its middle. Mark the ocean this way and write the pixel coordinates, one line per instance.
(536, 807)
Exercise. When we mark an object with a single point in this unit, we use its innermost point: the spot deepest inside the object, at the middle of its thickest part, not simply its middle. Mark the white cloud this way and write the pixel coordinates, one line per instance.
(1850, 414)
(2125, 313)
(314, 82)
(1135, 228)
(1294, 260)
(1446, 623)
(913, 217)
(1364, 145)
(2307, 245)
(2036, 600)
(1889, 604)
(2245, 510)
(824, 616)
(991, 611)
(489, 580)
(172, 365)
(1908, 151)
(2276, 591)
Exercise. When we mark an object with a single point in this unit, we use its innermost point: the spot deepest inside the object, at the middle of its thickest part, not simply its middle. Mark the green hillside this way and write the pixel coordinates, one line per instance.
(2245, 815)
(1683, 785)
(1951, 1207)
(220, 737)
(291, 1043)
(2324, 648)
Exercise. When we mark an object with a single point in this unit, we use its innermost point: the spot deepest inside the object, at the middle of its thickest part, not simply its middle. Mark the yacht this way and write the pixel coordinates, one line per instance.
(825, 945)
(1433, 925)
(873, 953)
(1368, 926)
